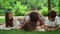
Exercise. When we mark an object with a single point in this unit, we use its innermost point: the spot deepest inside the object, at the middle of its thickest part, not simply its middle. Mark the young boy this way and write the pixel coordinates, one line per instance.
(52, 21)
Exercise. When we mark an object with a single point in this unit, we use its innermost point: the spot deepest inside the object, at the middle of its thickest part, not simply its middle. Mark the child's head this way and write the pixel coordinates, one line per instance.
(51, 15)
(32, 24)
(34, 17)
(9, 19)
(9, 15)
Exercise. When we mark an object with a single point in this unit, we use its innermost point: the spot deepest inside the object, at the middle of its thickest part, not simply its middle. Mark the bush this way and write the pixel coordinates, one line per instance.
(2, 13)
(44, 11)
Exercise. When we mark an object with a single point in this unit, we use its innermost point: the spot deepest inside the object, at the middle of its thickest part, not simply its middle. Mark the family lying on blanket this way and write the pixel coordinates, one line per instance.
(33, 21)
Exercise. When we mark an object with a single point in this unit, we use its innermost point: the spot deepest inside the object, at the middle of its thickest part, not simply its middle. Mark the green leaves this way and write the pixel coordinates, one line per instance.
(59, 7)
(44, 11)
(21, 7)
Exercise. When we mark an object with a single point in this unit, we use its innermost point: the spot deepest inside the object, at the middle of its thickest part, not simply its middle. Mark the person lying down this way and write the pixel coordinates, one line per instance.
(33, 22)
(10, 22)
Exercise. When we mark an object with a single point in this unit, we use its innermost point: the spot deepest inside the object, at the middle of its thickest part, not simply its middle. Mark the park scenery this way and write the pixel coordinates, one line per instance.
(29, 16)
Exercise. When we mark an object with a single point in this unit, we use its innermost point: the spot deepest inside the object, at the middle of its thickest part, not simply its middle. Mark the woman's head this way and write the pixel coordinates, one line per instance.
(9, 19)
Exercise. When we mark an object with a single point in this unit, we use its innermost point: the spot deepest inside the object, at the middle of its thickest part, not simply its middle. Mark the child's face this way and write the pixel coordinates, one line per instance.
(10, 16)
(38, 23)
(52, 19)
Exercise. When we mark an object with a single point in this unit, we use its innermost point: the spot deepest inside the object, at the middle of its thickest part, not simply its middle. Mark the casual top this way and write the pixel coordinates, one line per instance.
(52, 23)
(40, 19)
(27, 18)
(15, 25)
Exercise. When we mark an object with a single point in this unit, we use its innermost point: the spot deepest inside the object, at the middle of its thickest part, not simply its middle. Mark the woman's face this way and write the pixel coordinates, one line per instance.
(10, 16)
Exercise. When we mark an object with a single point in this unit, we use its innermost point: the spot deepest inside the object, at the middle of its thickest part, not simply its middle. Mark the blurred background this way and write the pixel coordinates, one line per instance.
(21, 7)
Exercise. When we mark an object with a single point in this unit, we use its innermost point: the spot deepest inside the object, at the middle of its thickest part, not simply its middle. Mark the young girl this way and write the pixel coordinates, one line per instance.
(41, 20)
(33, 22)
(11, 22)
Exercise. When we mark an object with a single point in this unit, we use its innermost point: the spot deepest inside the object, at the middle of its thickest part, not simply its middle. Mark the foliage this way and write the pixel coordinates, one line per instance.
(21, 7)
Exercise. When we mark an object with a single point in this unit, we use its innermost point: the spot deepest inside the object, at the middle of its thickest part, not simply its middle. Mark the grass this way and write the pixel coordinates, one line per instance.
(26, 32)
(2, 20)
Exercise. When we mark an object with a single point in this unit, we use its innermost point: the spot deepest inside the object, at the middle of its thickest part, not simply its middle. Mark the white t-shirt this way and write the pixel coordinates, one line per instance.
(27, 18)
(15, 23)
(52, 23)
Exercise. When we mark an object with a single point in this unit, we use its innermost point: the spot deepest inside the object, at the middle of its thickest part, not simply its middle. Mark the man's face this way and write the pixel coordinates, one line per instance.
(50, 18)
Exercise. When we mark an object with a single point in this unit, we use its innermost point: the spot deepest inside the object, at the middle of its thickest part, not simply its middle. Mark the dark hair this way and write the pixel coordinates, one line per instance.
(31, 25)
(52, 14)
(8, 22)
(34, 17)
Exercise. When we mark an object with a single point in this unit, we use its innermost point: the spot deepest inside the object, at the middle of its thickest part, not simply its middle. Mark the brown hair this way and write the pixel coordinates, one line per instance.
(32, 24)
(52, 14)
(8, 22)
(40, 17)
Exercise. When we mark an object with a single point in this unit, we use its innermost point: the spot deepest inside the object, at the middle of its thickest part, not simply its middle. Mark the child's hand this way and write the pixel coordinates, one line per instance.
(19, 27)
(51, 29)
(38, 27)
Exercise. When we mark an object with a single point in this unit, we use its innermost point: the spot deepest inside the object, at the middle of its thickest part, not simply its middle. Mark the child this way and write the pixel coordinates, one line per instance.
(11, 22)
(41, 20)
(52, 21)
(32, 22)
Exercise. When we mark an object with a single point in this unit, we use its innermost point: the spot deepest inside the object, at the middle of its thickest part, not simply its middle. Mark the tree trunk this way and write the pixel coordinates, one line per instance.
(59, 8)
(49, 5)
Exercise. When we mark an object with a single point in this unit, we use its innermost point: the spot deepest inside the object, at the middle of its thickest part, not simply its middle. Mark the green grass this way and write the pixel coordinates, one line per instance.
(26, 32)
(2, 20)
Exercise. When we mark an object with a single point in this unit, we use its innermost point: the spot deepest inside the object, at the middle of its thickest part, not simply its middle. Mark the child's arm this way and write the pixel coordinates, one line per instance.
(51, 29)
(46, 27)
(19, 27)
(20, 19)
(22, 24)
(56, 28)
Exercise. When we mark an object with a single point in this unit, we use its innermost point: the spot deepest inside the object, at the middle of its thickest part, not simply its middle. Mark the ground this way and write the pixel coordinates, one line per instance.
(27, 32)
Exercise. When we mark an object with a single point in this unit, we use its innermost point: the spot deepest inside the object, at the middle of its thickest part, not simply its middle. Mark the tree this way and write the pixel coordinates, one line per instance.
(59, 7)
(49, 5)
